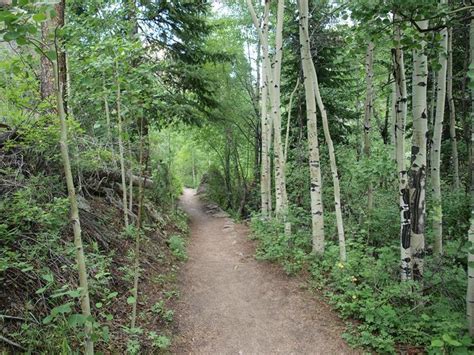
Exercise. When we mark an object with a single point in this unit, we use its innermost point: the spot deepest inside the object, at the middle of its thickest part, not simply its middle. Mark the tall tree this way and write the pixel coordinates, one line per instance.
(437, 136)
(369, 110)
(313, 145)
(417, 174)
(470, 258)
(399, 112)
(452, 112)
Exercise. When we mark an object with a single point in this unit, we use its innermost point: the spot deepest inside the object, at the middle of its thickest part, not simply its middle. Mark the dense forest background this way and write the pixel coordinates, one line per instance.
(340, 130)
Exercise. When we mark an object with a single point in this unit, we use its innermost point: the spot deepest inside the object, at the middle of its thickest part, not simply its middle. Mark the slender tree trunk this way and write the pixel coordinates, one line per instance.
(121, 150)
(139, 231)
(273, 78)
(470, 258)
(369, 110)
(317, 217)
(281, 208)
(130, 179)
(76, 224)
(417, 176)
(400, 114)
(436, 148)
(452, 113)
(327, 135)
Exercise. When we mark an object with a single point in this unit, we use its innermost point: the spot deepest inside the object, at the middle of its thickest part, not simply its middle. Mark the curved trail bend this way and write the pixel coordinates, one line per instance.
(232, 304)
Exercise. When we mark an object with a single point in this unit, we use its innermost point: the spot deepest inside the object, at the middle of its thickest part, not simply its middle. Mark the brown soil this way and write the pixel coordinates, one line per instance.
(232, 304)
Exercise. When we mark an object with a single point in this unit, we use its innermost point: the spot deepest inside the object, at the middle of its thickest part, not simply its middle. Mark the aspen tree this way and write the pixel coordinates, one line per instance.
(399, 111)
(417, 174)
(436, 147)
(281, 207)
(327, 135)
(317, 217)
(121, 147)
(470, 258)
(452, 112)
(273, 80)
(141, 194)
(368, 111)
(74, 210)
(265, 176)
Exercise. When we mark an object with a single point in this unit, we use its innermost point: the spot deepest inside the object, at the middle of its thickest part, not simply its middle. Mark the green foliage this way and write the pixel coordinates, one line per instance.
(178, 246)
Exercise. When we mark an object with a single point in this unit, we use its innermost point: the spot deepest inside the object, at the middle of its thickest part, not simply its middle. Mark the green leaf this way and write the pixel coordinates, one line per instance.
(39, 17)
(131, 300)
(48, 277)
(437, 343)
(76, 319)
(99, 304)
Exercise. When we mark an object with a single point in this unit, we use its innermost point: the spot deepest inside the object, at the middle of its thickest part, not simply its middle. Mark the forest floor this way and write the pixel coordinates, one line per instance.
(233, 304)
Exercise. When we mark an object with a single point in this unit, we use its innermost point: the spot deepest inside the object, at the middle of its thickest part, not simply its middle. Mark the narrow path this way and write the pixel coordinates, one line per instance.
(232, 304)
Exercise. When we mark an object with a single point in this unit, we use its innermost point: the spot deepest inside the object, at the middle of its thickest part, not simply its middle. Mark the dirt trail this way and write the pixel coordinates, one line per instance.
(232, 304)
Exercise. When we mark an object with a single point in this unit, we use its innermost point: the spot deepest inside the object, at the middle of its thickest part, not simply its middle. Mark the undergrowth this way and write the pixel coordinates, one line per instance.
(383, 314)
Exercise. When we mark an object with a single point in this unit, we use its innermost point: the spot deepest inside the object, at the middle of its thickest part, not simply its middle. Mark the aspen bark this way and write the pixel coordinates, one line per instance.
(369, 110)
(470, 258)
(400, 115)
(281, 207)
(317, 217)
(138, 231)
(452, 113)
(121, 150)
(273, 80)
(327, 135)
(417, 175)
(436, 147)
(74, 213)
(265, 176)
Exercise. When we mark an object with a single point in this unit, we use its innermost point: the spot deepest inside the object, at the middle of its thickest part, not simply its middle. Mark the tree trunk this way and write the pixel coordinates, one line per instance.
(327, 135)
(399, 112)
(417, 176)
(317, 217)
(121, 150)
(470, 258)
(273, 79)
(281, 208)
(452, 113)
(436, 147)
(369, 110)
(76, 224)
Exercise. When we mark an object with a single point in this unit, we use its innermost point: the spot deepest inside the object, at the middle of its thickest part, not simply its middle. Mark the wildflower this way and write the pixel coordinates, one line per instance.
(340, 265)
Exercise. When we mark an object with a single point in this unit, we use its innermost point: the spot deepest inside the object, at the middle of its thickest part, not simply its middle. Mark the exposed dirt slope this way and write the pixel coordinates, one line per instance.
(233, 304)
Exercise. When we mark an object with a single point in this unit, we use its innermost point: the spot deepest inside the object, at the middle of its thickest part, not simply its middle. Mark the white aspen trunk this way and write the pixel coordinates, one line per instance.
(273, 78)
(76, 223)
(417, 175)
(332, 155)
(265, 178)
(281, 208)
(369, 109)
(470, 258)
(436, 147)
(130, 179)
(136, 275)
(121, 151)
(452, 113)
(317, 217)
(400, 114)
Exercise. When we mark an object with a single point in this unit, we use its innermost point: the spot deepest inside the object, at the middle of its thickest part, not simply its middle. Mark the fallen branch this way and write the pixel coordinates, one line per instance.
(12, 343)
